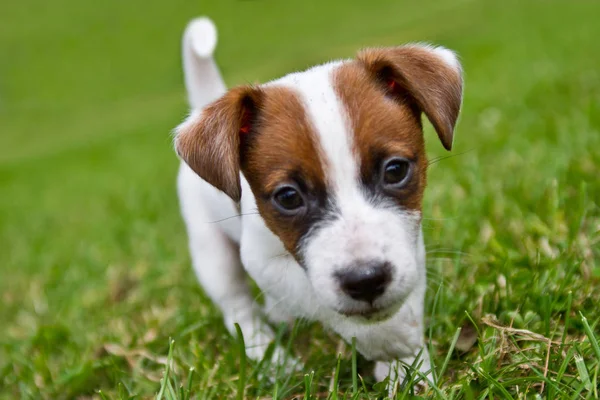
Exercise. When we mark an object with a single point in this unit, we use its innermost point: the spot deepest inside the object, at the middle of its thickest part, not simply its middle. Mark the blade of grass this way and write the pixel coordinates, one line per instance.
(242, 374)
(261, 372)
(416, 366)
(594, 391)
(161, 392)
(565, 364)
(449, 354)
(590, 335)
(577, 394)
(583, 372)
(336, 377)
(354, 368)
(189, 384)
(171, 394)
(433, 311)
(363, 384)
(546, 309)
(287, 356)
(492, 380)
(580, 213)
(484, 394)
(175, 384)
(165, 379)
(308, 381)
(567, 317)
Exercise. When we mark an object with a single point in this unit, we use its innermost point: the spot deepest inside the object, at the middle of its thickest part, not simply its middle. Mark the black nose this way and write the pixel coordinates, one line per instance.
(365, 282)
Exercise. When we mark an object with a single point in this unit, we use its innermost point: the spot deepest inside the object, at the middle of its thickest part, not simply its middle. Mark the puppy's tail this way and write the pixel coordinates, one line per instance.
(203, 80)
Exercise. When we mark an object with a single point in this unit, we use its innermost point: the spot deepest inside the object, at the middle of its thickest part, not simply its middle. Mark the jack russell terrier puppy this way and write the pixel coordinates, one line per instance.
(324, 171)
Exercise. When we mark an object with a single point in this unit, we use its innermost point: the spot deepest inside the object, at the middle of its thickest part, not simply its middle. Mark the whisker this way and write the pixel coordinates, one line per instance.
(279, 256)
(439, 219)
(433, 260)
(438, 159)
(233, 216)
(434, 274)
(262, 293)
(445, 251)
(435, 285)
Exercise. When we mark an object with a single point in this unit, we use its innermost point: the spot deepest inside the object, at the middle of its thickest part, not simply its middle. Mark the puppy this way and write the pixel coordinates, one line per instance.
(312, 184)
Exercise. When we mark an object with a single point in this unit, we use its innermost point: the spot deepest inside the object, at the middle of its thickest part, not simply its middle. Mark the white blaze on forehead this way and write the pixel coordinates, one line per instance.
(332, 125)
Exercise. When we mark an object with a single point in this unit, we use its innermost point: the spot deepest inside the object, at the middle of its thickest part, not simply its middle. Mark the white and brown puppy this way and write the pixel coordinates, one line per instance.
(326, 170)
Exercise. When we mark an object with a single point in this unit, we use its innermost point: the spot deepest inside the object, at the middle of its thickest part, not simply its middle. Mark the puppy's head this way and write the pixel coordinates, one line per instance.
(335, 159)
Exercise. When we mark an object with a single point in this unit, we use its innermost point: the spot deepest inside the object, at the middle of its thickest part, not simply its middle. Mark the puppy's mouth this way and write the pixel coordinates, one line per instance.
(372, 314)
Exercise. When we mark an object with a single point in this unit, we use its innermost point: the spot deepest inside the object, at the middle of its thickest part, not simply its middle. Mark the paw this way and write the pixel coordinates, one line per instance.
(256, 333)
(396, 371)
(279, 364)
(258, 339)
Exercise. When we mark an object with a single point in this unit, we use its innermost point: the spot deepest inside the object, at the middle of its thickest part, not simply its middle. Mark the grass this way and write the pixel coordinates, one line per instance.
(95, 274)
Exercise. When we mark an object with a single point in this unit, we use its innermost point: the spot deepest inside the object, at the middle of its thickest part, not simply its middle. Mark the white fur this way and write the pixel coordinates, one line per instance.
(212, 232)
(362, 231)
(448, 56)
(203, 80)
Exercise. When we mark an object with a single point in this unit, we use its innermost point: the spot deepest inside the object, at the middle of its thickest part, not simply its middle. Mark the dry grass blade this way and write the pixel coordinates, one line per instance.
(523, 334)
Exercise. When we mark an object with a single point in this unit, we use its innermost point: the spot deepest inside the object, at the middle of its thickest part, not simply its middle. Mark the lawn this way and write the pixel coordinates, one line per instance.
(95, 275)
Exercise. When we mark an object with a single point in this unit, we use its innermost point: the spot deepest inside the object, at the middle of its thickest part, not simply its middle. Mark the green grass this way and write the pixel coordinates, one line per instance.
(95, 277)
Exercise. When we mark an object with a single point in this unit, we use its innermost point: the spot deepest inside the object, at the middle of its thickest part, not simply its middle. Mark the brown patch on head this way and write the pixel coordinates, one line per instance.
(430, 77)
(383, 128)
(283, 149)
(384, 92)
(265, 133)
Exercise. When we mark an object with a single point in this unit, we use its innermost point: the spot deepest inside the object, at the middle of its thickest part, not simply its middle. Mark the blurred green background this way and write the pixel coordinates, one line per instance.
(92, 249)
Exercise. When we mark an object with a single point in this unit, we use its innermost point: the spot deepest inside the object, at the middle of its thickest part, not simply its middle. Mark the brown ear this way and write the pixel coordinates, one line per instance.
(210, 140)
(431, 77)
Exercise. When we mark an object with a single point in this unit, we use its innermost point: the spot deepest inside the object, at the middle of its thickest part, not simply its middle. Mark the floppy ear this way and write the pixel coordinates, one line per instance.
(431, 77)
(210, 140)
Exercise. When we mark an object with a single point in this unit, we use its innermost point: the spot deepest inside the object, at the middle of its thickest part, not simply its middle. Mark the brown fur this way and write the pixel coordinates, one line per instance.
(435, 87)
(285, 147)
(383, 128)
(210, 144)
(384, 92)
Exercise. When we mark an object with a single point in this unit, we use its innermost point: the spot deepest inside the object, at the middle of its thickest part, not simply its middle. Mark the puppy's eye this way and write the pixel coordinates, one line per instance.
(288, 199)
(396, 172)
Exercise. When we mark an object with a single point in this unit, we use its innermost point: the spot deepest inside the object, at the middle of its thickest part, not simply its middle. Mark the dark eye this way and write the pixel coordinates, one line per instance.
(288, 199)
(396, 172)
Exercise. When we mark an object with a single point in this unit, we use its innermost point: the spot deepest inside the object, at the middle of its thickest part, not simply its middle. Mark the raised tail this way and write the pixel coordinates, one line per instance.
(203, 80)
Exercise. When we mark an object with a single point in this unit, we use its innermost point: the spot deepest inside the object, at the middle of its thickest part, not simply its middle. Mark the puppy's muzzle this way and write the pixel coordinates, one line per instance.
(365, 281)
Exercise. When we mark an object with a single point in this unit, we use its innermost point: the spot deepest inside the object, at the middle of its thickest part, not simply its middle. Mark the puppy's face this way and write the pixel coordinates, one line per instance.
(336, 162)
